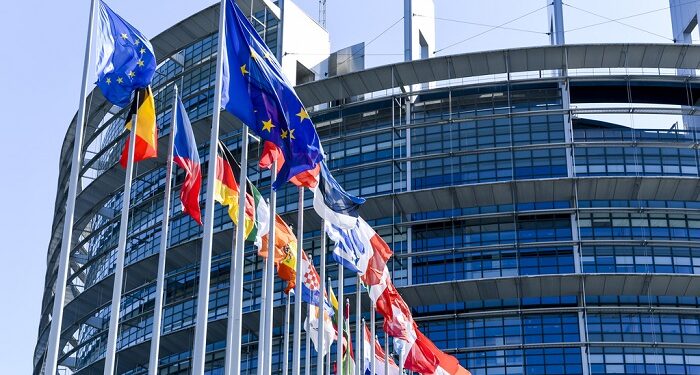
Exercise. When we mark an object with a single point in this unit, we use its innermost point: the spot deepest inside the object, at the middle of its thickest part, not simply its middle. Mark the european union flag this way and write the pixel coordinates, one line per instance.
(255, 90)
(125, 58)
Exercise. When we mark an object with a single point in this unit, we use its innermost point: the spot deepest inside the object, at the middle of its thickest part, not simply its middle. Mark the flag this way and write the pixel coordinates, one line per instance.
(146, 130)
(272, 153)
(311, 327)
(420, 357)
(333, 204)
(311, 285)
(255, 90)
(226, 190)
(285, 252)
(185, 155)
(376, 266)
(354, 248)
(261, 223)
(125, 58)
(448, 365)
(398, 320)
(379, 355)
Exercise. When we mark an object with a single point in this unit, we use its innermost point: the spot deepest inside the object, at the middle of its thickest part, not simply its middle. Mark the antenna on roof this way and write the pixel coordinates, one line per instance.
(322, 13)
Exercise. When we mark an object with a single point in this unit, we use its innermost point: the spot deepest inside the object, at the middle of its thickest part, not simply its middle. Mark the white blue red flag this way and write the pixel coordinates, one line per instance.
(185, 155)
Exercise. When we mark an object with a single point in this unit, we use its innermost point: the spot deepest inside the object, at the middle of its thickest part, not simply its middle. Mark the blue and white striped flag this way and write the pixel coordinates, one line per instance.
(333, 204)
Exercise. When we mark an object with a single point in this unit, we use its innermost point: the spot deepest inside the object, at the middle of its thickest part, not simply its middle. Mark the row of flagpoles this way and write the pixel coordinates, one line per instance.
(249, 83)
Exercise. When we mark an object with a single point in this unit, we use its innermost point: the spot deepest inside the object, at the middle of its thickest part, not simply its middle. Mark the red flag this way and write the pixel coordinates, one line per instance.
(447, 363)
(377, 263)
(421, 358)
(397, 315)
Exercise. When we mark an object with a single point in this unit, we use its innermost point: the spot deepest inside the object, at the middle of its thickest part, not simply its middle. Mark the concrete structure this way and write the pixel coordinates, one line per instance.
(528, 236)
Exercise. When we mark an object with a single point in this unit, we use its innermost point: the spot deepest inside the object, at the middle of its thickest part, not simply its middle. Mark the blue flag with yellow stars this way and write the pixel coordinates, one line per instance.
(255, 90)
(125, 58)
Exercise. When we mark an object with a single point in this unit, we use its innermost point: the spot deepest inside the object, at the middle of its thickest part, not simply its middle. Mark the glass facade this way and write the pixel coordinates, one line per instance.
(481, 136)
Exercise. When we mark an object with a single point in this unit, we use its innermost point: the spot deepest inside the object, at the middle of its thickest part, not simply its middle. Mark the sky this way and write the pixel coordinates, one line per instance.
(40, 71)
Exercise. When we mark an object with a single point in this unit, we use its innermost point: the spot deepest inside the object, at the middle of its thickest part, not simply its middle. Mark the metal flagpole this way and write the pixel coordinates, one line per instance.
(328, 360)
(386, 353)
(261, 322)
(238, 254)
(111, 352)
(362, 347)
(347, 306)
(270, 283)
(160, 278)
(307, 362)
(229, 322)
(54, 342)
(200, 338)
(296, 340)
(285, 350)
(321, 303)
(358, 315)
(341, 319)
(373, 337)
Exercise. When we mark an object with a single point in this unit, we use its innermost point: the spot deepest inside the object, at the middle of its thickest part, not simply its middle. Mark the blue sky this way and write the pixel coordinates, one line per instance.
(40, 71)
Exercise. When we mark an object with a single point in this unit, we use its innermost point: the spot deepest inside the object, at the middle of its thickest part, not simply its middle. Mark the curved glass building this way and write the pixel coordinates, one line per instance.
(542, 204)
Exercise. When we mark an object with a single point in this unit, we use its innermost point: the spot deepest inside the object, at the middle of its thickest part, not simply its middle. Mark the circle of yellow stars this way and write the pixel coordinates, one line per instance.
(140, 63)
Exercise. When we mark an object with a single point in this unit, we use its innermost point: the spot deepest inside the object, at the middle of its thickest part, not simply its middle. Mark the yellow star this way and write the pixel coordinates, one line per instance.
(284, 134)
(253, 54)
(267, 125)
(137, 42)
(267, 55)
(303, 114)
(131, 74)
(142, 51)
(291, 134)
(120, 80)
(124, 36)
(140, 63)
(109, 81)
(244, 71)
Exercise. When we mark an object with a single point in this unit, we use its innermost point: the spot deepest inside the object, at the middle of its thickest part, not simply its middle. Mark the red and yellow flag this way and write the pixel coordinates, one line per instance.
(285, 252)
(146, 129)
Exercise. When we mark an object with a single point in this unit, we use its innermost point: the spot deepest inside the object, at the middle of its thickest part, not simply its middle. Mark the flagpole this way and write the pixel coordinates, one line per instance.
(364, 365)
(238, 254)
(200, 338)
(296, 340)
(160, 278)
(285, 350)
(321, 303)
(59, 300)
(229, 322)
(261, 321)
(358, 315)
(347, 306)
(111, 351)
(341, 318)
(328, 361)
(307, 362)
(372, 335)
(386, 353)
(270, 283)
